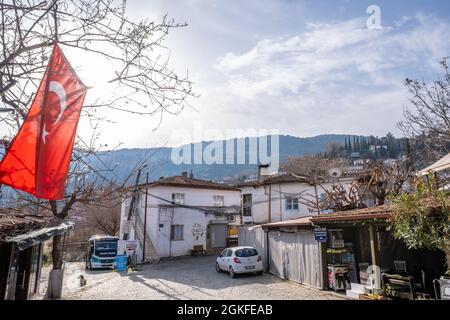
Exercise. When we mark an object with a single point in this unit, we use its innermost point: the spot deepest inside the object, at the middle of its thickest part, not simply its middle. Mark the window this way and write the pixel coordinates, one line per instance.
(176, 232)
(247, 204)
(178, 198)
(229, 253)
(246, 252)
(218, 201)
(291, 203)
(323, 201)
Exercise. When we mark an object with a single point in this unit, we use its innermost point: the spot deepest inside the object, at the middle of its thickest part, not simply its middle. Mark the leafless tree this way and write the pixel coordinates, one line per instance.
(144, 80)
(106, 219)
(337, 198)
(384, 179)
(428, 117)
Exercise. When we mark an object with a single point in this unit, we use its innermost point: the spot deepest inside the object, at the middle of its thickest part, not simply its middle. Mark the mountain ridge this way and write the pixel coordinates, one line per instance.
(124, 160)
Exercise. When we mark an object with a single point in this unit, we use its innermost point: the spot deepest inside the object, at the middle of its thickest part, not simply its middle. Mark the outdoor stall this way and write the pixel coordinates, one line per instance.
(293, 253)
(21, 251)
(363, 259)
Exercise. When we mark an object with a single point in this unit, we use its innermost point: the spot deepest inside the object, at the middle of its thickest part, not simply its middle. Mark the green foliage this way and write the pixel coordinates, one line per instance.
(422, 218)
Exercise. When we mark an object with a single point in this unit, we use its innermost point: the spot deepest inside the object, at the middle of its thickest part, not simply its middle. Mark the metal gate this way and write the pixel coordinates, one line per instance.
(218, 235)
(255, 237)
(295, 257)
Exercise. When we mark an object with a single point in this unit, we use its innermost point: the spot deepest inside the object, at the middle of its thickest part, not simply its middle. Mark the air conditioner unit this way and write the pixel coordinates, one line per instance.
(335, 172)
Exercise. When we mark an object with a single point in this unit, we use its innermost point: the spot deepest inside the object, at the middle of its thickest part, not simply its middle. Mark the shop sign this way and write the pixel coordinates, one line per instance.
(320, 234)
(121, 263)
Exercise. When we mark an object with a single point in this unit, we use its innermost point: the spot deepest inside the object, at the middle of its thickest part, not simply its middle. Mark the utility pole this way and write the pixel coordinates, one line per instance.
(132, 203)
(270, 202)
(133, 197)
(145, 217)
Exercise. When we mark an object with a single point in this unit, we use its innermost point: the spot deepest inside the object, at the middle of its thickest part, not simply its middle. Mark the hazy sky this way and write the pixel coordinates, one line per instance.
(303, 67)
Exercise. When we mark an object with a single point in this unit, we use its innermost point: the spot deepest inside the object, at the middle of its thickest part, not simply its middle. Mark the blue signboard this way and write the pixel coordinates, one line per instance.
(320, 234)
(121, 263)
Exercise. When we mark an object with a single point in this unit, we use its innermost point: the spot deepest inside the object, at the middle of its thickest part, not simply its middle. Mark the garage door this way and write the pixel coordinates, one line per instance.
(295, 257)
(218, 235)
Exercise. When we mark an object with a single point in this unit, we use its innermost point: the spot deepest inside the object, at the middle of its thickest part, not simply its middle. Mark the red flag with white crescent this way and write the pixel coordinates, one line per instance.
(37, 160)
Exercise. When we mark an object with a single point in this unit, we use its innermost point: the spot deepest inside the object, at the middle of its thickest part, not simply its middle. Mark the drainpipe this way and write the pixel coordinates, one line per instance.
(281, 206)
(145, 218)
(170, 232)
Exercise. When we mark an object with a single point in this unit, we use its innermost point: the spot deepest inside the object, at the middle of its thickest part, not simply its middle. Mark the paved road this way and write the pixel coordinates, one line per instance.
(189, 278)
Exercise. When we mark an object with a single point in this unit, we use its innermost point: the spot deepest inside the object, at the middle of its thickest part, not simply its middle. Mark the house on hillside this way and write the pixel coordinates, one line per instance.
(182, 214)
(281, 197)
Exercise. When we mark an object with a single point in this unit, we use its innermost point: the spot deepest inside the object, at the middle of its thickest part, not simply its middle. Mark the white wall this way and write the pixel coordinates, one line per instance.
(279, 192)
(160, 218)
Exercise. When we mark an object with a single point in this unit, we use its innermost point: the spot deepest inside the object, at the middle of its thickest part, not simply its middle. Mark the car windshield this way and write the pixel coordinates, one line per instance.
(247, 252)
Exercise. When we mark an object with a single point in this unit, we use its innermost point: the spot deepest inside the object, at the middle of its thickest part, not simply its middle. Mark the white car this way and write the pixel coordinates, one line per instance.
(239, 260)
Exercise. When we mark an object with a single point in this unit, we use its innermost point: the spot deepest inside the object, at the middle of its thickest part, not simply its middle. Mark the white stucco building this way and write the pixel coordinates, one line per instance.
(182, 213)
(278, 197)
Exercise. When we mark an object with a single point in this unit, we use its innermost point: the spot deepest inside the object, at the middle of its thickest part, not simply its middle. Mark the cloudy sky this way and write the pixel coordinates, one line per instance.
(302, 67)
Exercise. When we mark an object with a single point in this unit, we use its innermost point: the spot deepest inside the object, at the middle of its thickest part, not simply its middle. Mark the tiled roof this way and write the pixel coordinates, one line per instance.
(13, 223)
(275, 179)
(303, 221)
(182, 181)
(379, 212)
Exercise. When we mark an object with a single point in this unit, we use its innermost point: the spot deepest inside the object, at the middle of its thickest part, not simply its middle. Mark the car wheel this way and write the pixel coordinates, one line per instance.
(232, 274)
(218, 268)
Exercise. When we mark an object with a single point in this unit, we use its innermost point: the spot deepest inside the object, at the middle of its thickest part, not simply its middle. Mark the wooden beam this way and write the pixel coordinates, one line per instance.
(375, 256)
(324, 264)
(374, 250)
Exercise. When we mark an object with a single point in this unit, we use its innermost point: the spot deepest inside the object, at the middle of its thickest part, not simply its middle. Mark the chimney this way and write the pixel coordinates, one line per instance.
(263, 171)
(184, 174)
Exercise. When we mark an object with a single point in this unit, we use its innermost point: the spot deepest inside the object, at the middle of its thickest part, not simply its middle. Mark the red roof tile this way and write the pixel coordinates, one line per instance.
(275, 179)
(181, 181)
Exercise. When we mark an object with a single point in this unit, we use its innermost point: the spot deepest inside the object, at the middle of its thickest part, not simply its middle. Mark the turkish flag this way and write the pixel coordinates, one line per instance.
(38, 158)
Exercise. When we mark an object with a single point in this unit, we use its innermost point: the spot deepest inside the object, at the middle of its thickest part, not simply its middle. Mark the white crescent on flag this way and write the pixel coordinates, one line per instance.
(58, 89)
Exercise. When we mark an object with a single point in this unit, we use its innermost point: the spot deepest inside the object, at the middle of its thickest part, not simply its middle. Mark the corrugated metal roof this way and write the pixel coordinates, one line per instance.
(303, 221)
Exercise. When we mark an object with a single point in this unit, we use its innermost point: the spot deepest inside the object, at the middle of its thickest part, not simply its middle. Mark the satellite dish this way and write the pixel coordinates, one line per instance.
(335, 172)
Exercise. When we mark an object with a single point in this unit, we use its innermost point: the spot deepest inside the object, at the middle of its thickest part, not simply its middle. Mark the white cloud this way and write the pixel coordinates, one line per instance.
(338, 77)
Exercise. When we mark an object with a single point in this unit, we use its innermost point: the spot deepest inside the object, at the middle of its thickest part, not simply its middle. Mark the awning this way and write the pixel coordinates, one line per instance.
(357, 215)
(440, 165)
(303, 221)
(27, 240)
